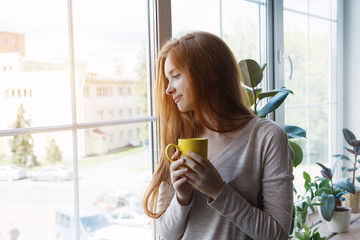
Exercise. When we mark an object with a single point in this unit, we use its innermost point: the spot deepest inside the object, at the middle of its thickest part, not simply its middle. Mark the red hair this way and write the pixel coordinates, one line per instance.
(216, 94)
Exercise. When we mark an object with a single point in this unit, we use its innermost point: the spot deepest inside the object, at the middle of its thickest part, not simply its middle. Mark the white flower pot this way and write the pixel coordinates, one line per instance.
(340, 221)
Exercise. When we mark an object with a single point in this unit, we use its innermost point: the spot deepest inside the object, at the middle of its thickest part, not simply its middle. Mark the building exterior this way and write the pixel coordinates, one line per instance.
(12, 42)
(44, 89)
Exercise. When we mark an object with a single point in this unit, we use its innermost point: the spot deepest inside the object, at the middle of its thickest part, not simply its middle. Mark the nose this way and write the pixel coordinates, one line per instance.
(170, 89)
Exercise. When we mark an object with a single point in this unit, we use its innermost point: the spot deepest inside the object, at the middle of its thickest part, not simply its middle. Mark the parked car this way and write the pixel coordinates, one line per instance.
(133, 199)
(130, 216)
(110, 201)
(12, 172)
(53, 173)
(91, 220)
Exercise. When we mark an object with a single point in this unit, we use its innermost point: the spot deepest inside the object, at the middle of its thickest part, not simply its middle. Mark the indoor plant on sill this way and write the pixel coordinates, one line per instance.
(330, 196)
(351, 200)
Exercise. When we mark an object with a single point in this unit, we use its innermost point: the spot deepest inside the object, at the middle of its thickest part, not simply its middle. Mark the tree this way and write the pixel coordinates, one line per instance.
(53, 152)
(22, 145)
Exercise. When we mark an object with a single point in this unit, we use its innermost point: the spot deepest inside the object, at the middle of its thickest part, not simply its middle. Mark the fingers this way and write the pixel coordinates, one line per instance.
(196, 162)
(176, 155)
(177, 171)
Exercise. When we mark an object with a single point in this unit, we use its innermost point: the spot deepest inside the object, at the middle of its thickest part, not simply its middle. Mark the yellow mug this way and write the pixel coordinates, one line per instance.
(197, 145)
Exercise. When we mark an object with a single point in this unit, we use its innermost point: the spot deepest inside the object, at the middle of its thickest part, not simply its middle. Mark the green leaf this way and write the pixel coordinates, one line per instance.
(327, 210)
(306, 176)
(346, 185)
(348, 169)
(250, 97)
(355, 143)
(306, 230)
(299, 236)
(251, 72)
(295, 131)
(348, 135)
(298, 153)
(272, 105)
(358, 179)
(263, 67)
(341, 157)
(272, 93)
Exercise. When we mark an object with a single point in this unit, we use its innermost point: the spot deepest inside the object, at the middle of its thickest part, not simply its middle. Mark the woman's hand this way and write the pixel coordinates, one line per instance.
(179, 181)
(203, 175)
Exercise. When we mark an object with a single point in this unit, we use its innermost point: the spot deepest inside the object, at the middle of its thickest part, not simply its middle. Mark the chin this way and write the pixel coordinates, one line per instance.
(184, 110)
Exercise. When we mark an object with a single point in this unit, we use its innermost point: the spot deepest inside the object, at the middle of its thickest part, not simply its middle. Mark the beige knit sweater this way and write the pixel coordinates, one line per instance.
(256, 200)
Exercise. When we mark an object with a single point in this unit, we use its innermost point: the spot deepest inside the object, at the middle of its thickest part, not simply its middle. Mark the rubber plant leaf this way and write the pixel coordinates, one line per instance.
(298, 153)
(295, 131)
(272, 93)
(251, 72)
(325, 172)
(346, 185)
(328, 207)
(273, 104)
(349, 136)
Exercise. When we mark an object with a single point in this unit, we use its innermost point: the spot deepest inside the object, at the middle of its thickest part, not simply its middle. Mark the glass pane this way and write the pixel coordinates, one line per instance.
(34, 63)
(111, 59)
(320, 8)
(320, 51)
(197, 17)
(36, 181)
(297, 5)
(114, 172)
(241, 28)
(295, 45)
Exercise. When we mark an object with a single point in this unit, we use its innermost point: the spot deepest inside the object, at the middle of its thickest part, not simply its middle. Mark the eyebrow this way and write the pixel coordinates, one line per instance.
(170, 72)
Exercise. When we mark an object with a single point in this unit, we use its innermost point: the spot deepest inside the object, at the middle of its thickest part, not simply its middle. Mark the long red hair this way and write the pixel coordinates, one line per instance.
(215, 90)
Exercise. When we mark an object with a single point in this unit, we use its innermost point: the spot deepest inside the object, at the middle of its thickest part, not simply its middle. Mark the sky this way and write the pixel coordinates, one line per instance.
(112, 29)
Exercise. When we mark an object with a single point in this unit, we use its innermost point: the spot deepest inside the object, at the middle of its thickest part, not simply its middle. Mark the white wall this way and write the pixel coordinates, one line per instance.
(352, 66)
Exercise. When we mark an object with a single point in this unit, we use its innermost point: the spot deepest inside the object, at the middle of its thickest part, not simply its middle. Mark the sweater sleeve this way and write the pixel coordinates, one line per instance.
(172, 223)
(273, 220)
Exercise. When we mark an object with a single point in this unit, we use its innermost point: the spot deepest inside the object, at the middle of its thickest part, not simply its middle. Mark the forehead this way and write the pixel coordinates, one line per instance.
(169, 66)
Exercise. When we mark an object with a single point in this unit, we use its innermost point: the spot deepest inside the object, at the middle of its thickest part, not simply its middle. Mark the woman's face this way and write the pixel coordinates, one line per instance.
(178, 85)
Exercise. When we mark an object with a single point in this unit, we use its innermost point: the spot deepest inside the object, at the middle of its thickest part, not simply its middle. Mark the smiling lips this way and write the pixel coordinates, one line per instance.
(177, 98)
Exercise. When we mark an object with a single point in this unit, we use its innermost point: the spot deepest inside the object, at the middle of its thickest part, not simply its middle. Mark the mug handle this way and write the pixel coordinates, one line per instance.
(167, 149)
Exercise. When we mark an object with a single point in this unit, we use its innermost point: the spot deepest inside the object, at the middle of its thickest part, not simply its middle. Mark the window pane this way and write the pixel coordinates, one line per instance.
(241, 26)
(320, 8)
(111, 59)
(113, 177)
(36, 182)
(196, 17)
(297, 5)
(310, 41)
(34, 63)
(295, 45)
(320, 49)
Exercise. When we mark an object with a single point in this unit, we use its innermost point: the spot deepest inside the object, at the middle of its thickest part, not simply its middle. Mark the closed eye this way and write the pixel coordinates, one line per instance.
(176, 76)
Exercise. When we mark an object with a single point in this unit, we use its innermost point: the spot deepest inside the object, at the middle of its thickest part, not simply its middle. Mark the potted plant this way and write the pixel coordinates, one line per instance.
(330, 197)
(351, 200)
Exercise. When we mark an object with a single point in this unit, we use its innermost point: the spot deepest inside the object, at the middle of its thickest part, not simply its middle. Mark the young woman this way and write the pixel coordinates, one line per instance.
(244, 189)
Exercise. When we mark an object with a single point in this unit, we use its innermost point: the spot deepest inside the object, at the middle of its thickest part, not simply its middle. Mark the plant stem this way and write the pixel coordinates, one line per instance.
(255, 102)
(353, 179)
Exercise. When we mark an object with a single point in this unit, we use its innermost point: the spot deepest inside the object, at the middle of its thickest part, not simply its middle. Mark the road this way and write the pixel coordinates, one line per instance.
(30, 206)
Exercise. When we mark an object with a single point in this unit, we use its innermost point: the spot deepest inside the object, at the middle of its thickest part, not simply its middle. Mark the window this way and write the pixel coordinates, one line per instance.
(78, 129)
(310, 39)
(68, 100)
